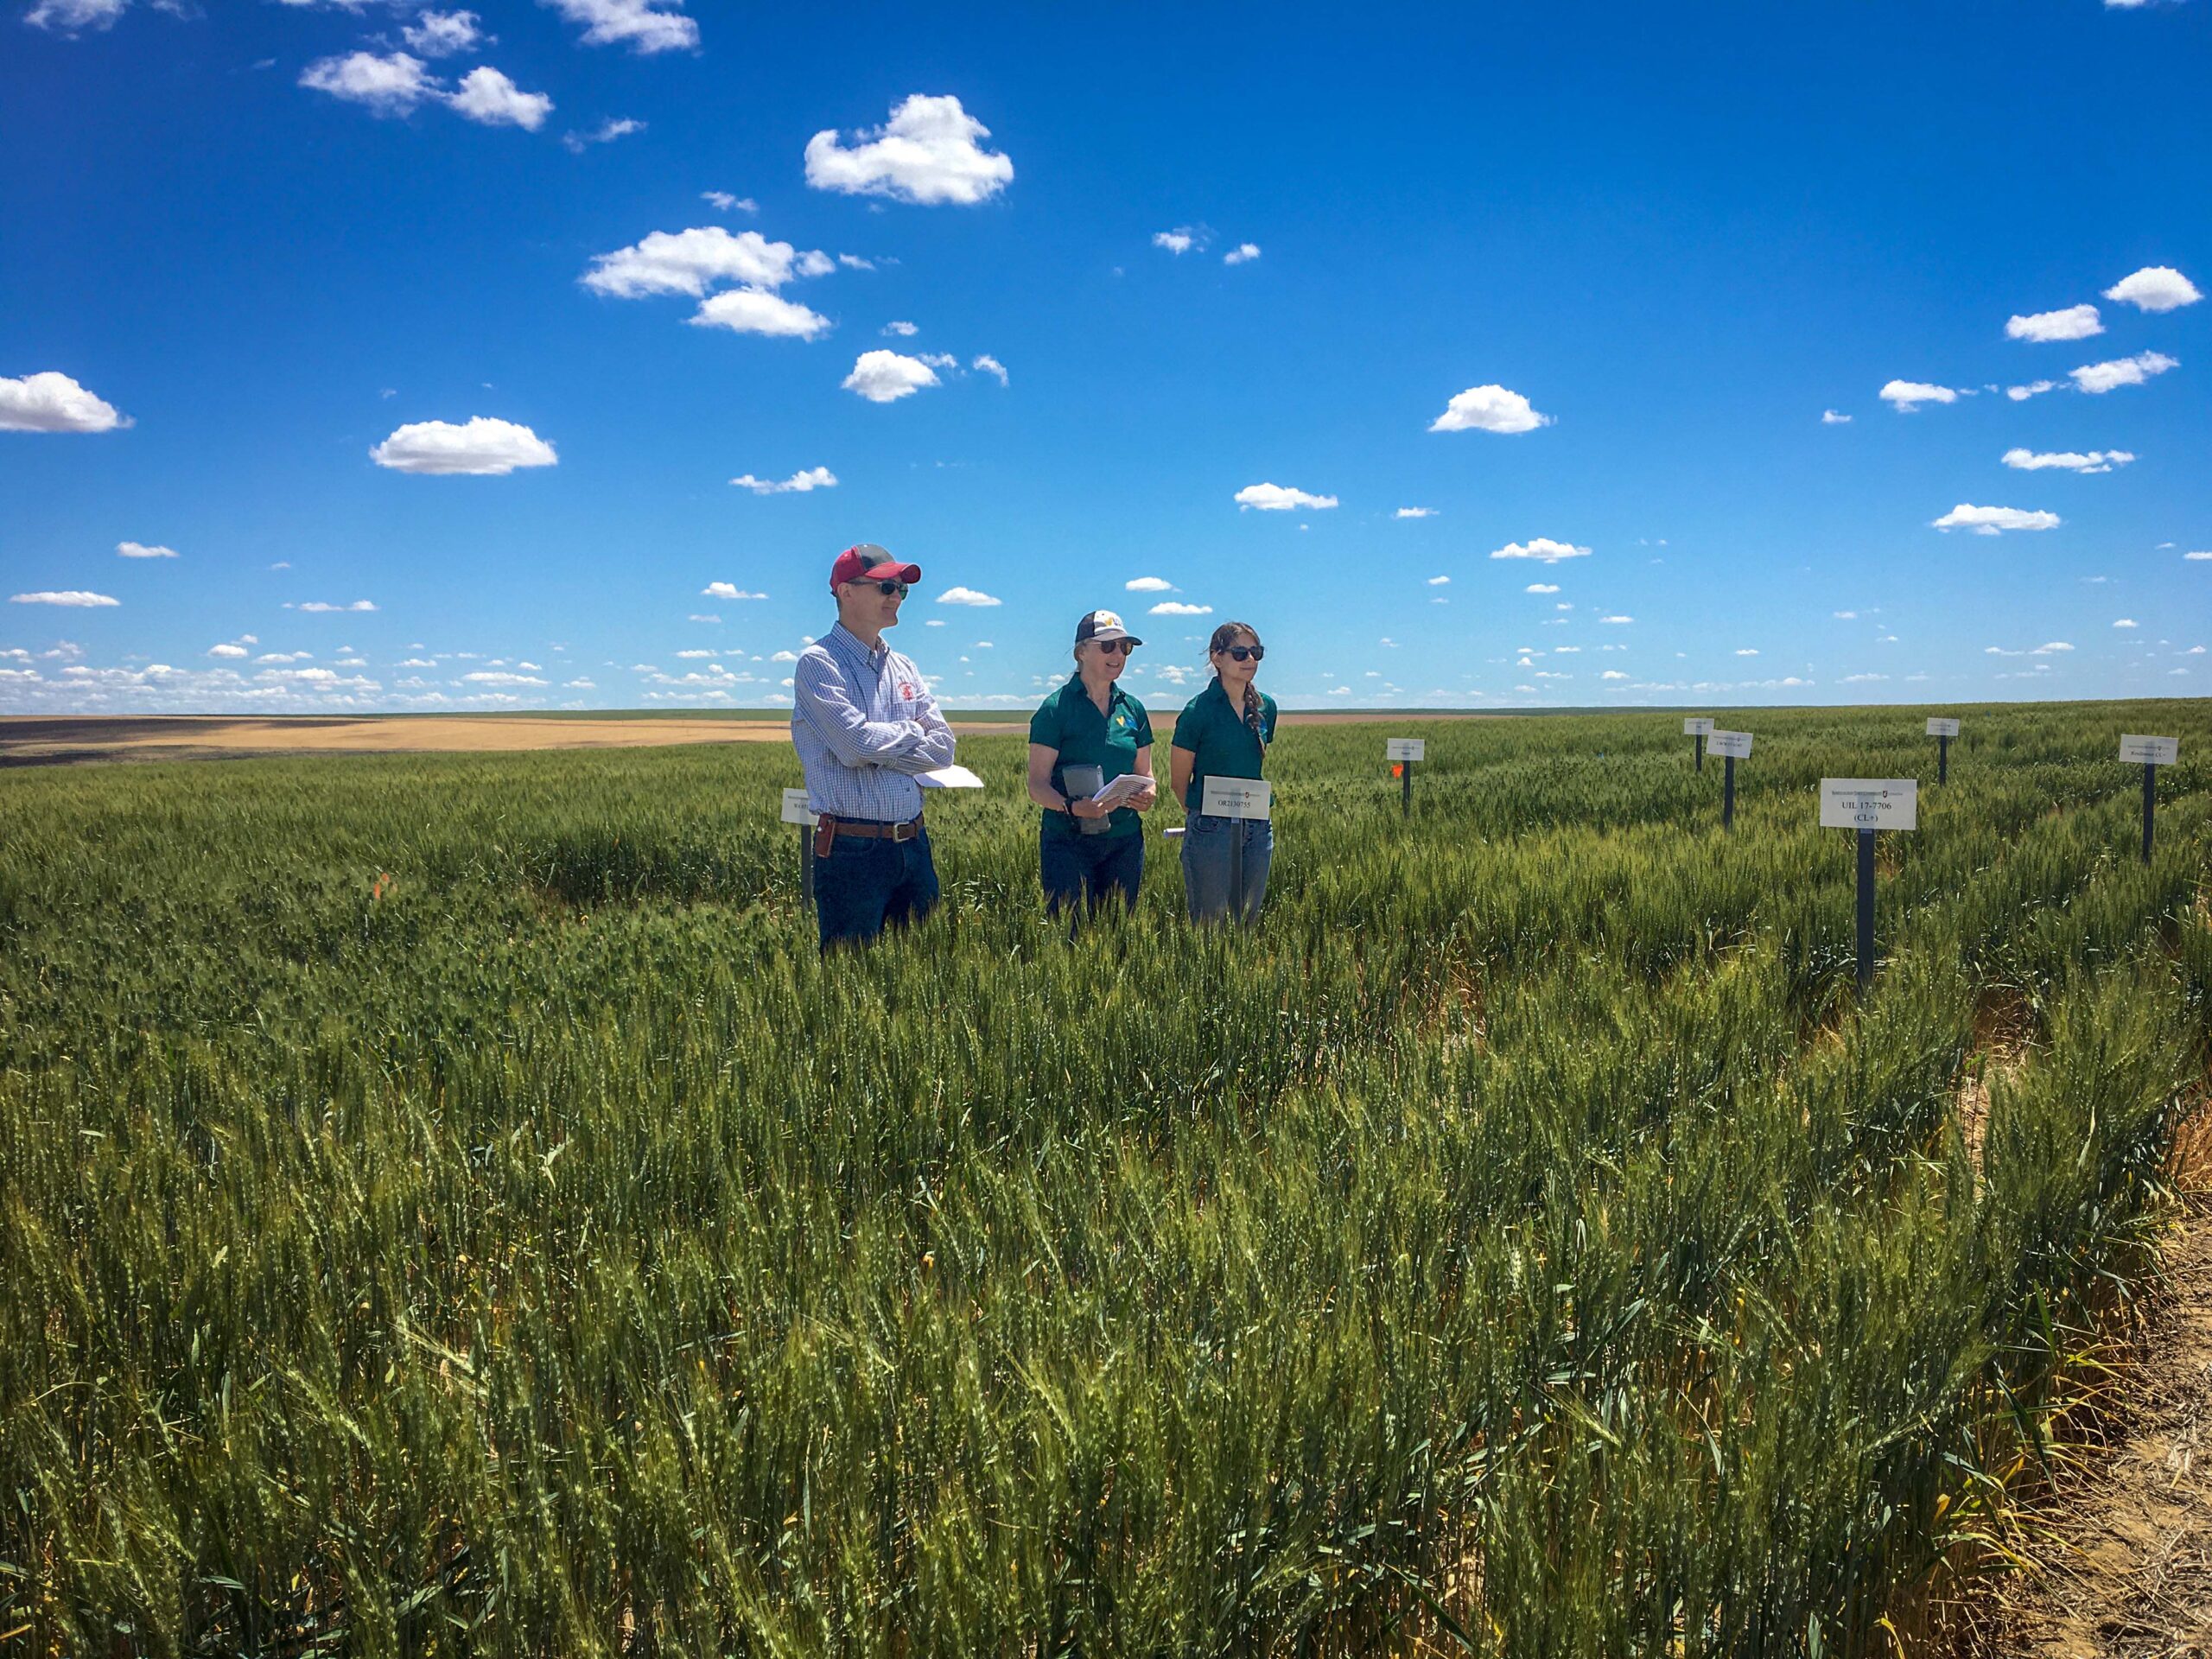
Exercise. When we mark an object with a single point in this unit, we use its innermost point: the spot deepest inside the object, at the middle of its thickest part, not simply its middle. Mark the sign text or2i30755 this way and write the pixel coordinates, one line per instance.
(1735, 746)
(795, 809)
(1870, 804)
(1237, 797)
(2150, 751)
(1405, 748)
(1697, 728)
(1940, 726)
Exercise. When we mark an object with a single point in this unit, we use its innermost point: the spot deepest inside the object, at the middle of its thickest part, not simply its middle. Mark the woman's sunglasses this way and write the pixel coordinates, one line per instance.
(1115, 647)
(1244, 653)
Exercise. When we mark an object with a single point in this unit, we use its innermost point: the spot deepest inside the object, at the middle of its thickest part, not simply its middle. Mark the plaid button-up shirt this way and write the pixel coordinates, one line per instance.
(863, 723)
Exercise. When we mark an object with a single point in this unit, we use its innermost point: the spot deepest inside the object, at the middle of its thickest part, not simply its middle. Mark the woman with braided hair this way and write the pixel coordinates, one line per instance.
(1223, 731)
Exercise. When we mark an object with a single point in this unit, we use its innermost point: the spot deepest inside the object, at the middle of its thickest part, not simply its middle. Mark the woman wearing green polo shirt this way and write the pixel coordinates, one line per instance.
(1088, 732)
(1223, 731)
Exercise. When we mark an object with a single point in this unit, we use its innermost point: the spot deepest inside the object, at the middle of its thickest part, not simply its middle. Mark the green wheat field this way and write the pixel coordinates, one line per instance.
(446, 1207)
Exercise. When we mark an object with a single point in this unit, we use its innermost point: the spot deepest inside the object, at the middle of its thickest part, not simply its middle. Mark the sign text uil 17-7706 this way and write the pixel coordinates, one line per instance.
(1870, 804)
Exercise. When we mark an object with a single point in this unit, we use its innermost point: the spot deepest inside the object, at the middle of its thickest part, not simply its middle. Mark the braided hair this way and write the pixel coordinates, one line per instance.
(1254, 713)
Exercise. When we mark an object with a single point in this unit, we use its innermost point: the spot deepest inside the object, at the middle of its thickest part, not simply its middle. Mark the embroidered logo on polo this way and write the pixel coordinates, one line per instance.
(906, 690)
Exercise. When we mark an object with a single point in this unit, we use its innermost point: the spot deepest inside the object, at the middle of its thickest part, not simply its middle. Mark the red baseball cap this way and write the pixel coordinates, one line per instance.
(867, 562)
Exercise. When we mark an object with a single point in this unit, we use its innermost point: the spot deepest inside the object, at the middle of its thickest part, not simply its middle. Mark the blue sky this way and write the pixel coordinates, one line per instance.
(266, 261)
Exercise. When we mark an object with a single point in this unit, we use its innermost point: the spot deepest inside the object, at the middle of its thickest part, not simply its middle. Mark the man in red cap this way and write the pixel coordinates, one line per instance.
(865, 724)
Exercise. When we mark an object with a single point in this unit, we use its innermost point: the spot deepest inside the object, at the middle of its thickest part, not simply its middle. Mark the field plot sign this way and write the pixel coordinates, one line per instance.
(1731, 747)
(1701, 728)
(2151, 752)
(1867, 805)
(1238, 799)
(1943, 729)
(796, 811)
(1405, 751)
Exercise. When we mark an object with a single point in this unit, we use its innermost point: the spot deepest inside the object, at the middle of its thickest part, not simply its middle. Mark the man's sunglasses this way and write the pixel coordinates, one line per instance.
(1244, 653)
(1115, 647)
(888, 586)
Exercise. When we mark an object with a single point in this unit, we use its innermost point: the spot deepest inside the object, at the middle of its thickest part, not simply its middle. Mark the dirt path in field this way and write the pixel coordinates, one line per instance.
(2126, 1569)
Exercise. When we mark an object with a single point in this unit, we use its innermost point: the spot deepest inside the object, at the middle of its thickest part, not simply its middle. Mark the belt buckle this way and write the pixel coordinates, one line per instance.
(906, 831)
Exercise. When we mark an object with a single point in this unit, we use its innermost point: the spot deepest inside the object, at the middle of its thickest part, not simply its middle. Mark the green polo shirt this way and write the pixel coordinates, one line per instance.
(1068, 723)
(1220, 743)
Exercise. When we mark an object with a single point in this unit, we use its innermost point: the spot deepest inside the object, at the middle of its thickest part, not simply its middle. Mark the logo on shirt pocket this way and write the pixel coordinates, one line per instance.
(908, 690)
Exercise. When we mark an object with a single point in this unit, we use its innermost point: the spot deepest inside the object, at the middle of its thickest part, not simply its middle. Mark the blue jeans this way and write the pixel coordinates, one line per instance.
(1205, 864)
(867, 884)
(1089, 870)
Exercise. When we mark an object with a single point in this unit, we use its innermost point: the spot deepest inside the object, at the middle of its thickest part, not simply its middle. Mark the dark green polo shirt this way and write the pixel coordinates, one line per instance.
(1070, 722)
(1220, 744)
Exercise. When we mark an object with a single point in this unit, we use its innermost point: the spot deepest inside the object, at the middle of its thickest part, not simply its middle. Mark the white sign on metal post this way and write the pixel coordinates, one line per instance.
(1870, 802)
(1734, 745)
(1405, 748)
(2151, 751)
(1697, 728)
(1939, 726)
(795, 809)
(1236, 798)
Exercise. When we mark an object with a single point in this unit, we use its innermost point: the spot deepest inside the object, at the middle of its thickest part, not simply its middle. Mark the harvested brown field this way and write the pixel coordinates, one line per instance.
(32, 740)
(182, 737)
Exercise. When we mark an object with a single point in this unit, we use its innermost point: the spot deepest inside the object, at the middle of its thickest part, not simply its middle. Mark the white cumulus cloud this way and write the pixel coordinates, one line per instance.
(814, 478)
(226, 649)
(2154, 287)
(1489, 409)
(1241, 254)
(1149, 585)
(1176, 607)
(606, 133)
(54, 403)
(2126, 622)
(2033, 388)
(1829, 417)
(965, 596)
(691, 262)
(1439, 582)
(926, 153)
(1991, 521)
(722, 201)
(1541, 587)
(2075, 322)
(756, 311)
(2095, 460)
(70, 16)
(726, 590)
(73, 596)
(884, 377)
(1906, 395)
(442, 33)
(391, 84)
(141, 550)
(645, 25)
(482, 448)
(1279, 497)
(488, 98)
(1179, 240)
(1542, 549)
(2050, 649)
(986, 364)
(321, 605)
(2097, 378)
(1415, 513)
(903, 330)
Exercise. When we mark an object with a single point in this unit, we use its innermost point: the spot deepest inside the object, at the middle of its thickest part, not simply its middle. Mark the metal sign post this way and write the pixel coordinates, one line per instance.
(1866, 805)
(1405, 751)
(796, 811)
(1731, 747)
(2152, 752)
(1237, 799)
(1942, 730)
(1699, 729)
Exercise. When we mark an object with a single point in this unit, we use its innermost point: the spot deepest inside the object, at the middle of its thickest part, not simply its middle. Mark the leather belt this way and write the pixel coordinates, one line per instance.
(871, 829)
